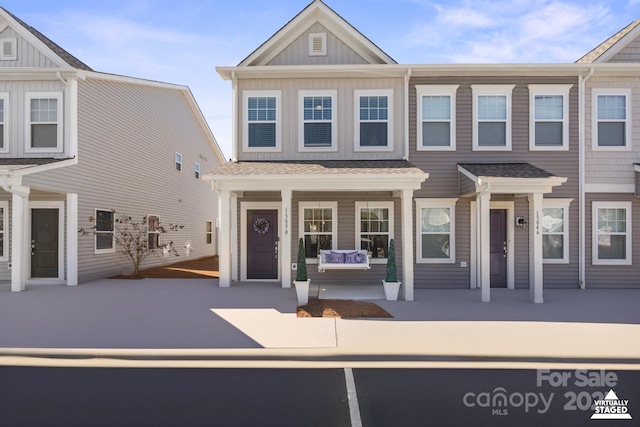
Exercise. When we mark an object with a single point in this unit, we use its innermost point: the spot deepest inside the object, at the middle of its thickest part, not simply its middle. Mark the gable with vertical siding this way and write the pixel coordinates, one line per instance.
(28, 56)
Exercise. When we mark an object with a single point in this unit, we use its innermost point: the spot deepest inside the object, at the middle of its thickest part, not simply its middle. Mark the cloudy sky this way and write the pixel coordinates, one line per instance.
(183, 41)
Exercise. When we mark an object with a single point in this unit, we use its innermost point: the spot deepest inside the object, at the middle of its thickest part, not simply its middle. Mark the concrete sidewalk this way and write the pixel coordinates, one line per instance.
(197, 319)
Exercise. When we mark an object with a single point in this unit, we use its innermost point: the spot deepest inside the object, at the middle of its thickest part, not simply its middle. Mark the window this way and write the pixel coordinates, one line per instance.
(611, 233)
(105, 238)
(262, 129)
(318, 227)
(318, 44)
(492, 117)
(549, 112)
(373, 127)
(436, 117)
(197, 170)
(153, 231)
(4, 120)
(209, 232)
(4, 211)
(435, 230)
(317, 113)
(612, 124)
(555, 231)
(44, 126)
(8, 49)
(374, 228)
(179, 162)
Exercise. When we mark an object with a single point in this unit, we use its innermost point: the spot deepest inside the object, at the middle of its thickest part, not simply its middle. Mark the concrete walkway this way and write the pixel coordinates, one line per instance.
(197, 319)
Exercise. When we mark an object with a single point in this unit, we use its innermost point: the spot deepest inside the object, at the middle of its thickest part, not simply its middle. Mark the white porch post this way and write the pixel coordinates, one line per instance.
(285, 239)
(72, 239)
(19, 244)
(484, 249)
(407, 244)
(233, 226)
(535, 248)
(225, 239)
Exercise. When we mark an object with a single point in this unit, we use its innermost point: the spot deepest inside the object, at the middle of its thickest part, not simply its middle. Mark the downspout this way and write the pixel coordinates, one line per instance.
(9, 188)
(581, 182)
(407, 78)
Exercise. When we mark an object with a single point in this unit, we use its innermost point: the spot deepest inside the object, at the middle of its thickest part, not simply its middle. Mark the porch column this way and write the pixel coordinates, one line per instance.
(285, 239)
(535, 248)
(407, 243)
(72, 239)
(484, 249)
(233, 226)
(225, 239)
(20, 247)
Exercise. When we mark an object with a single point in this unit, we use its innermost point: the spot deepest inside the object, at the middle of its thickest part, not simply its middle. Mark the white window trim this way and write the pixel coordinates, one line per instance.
(555, 90)
(59, 121)
(492, 90)
(196, 168)
(595, 92)
(436, 203)
(245, 120)
(564, 204)
(176, 163)
(594, 232)
(5, 232)
(373, 92)
(4, 96)
(322, 52)
(374, 204)
(334, 217)
(14, 49)
(95, 237)
(436, 90)
(153, 232)
(208, 233)
(334, 118)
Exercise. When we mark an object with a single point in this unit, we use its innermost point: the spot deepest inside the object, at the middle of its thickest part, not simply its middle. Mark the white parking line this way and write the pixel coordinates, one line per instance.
(352, 396)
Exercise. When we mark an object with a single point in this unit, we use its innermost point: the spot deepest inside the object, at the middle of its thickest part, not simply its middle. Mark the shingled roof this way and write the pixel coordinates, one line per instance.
(326, 167)
(505, 170)
(605, 46)
(11, 164)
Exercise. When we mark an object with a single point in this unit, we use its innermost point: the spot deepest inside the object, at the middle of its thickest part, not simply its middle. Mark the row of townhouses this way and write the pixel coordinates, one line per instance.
(486, 176)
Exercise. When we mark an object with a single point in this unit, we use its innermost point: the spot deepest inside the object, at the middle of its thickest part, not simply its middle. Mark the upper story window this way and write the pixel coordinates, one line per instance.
(374, 123)
(611, 233)
(196, 168)
(104, 234)
(44, 123)
(374, 228)
(611, 119)
(262, 121)
(4, 103)
(317, 113)
(318, 226)
(492, 117)
(179, 162)
(549, 112)
(436, 117)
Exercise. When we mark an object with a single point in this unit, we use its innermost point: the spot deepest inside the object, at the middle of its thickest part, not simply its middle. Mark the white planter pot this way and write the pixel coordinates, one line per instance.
(302, 291)
(391, 290)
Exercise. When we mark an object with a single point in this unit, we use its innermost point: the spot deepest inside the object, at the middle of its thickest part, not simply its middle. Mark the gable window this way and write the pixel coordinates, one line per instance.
(318, 44)
(104, 233)
(318, 227)
(4, 102)
(8, 49)
(209, 232)
(318, 131)
(262, 128)
(612, 124)
(153, 231)
(436, 117)
(435, 230)
(44, 124)
(4, 210)
(492, 117)
(197, 170)
(611, 233)
(549, 111)
(179, 162)
(374, 228)
(373, 126)
(555, 231)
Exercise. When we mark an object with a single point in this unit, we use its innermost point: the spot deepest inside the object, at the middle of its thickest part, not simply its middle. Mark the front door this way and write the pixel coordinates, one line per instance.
(44, 242)
(498, 246)
(262, 244)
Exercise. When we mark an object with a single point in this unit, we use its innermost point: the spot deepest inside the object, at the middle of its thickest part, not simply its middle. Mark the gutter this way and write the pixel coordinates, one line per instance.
(582, 81)
(9, 188)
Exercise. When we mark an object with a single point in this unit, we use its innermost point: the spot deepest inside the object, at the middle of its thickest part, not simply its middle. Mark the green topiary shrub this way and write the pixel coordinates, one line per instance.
(301, 274)
(392, 275)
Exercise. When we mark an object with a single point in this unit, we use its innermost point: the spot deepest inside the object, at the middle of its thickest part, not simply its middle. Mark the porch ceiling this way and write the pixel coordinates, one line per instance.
(507, 178)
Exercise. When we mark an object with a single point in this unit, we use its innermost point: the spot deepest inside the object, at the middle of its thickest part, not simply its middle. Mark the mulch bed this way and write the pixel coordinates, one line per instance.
(343, 309)
(200, 268)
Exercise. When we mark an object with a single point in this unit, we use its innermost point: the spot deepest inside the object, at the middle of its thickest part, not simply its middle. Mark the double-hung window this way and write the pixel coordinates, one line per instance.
(374, 228)
(318, 226)
(209, 232)
(611, 233)
(196, 169)
(318, 115)
(4, 211)
(179, 162)
(44, 122)
(611, 119)
(153, 231)
(436, 117)
(435, 231)
(554, 225)
(262, 121)
(104, 232)
(374, 120)
(4, 119)
(549, 112)
(492, 117)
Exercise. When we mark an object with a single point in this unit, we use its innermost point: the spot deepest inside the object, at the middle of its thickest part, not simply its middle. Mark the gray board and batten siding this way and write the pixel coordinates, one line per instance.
(28, 56)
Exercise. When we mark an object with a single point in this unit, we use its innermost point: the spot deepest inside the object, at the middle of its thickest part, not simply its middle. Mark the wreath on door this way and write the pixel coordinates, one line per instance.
(261, 226)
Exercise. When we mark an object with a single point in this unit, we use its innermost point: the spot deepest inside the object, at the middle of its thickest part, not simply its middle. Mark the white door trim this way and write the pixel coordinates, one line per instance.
(61, 237)
(244, 207)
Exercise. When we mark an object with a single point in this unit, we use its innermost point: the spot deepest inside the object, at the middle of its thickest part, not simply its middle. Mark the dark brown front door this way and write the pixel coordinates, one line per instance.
(498, 246)
(44, 242)
(262, 242)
